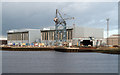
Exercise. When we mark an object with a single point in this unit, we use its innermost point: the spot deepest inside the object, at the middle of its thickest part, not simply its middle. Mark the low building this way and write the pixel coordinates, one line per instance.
(3, 41)
(113, 40)
(23, 36)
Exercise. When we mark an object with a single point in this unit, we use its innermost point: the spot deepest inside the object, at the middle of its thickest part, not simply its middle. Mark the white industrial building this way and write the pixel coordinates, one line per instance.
(85, 32)
(23, 35)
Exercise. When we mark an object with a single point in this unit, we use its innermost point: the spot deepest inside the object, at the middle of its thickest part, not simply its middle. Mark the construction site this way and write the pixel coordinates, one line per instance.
(59, 36)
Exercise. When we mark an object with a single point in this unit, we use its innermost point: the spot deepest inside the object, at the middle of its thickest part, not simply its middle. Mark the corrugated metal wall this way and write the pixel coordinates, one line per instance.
(18, 36)
(50, 35)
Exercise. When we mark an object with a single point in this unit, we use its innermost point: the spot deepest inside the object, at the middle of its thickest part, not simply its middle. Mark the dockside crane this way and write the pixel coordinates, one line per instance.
(60, 21)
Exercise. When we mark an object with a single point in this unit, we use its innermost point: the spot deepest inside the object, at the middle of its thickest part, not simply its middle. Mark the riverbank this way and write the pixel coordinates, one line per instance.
(108, 50)
(98, 50)
(27, 48)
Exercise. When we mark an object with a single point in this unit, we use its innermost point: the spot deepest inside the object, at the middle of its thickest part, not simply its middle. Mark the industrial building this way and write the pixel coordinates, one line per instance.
(74, 34)
(23, 36)
(113, 40)
(3, 41)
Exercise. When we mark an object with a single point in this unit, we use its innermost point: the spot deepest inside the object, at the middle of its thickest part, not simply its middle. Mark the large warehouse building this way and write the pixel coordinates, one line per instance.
(74, 33)
(23, 35)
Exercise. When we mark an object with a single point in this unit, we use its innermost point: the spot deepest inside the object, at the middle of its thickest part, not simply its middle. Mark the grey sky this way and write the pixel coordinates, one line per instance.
(16, 15)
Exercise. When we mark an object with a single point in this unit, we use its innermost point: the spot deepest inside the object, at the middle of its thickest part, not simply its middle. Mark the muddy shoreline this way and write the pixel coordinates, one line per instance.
(59, 49)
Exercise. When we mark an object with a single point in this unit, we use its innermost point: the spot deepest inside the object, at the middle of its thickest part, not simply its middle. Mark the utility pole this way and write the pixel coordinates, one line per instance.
(107, 31)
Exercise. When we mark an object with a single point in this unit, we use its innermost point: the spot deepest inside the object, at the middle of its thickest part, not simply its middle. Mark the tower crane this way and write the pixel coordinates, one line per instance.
(60, 21)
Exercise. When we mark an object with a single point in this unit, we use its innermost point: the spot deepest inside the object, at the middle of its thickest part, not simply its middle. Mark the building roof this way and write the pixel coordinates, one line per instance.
(53, 28)
(44, 29)
(3, 38)
(114, 36)
(20, 30)
(68, 27)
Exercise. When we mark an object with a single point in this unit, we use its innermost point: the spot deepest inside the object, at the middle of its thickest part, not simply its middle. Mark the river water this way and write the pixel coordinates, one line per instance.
(58, 62)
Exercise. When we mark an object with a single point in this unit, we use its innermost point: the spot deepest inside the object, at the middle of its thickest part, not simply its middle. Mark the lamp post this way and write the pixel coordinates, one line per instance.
(107, 31)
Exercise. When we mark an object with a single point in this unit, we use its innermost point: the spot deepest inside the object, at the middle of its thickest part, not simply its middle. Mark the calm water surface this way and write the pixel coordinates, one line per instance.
(58, 62)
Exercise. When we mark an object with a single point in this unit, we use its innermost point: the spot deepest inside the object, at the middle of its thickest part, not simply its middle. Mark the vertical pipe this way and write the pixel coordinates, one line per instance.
(44, 36)
(41, 36)
(56, 12)
(61, 36)
(67, 36)
(53, 36)
(74, 30)
(48, 35)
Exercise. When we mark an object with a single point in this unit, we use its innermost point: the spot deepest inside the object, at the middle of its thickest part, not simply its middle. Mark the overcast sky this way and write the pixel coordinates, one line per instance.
(16, 15)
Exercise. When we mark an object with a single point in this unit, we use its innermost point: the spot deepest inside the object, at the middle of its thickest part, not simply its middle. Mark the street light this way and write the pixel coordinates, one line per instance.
(107, 30)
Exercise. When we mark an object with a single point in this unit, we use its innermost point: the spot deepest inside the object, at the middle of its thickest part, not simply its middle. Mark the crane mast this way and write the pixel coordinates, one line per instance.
(60, 34)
